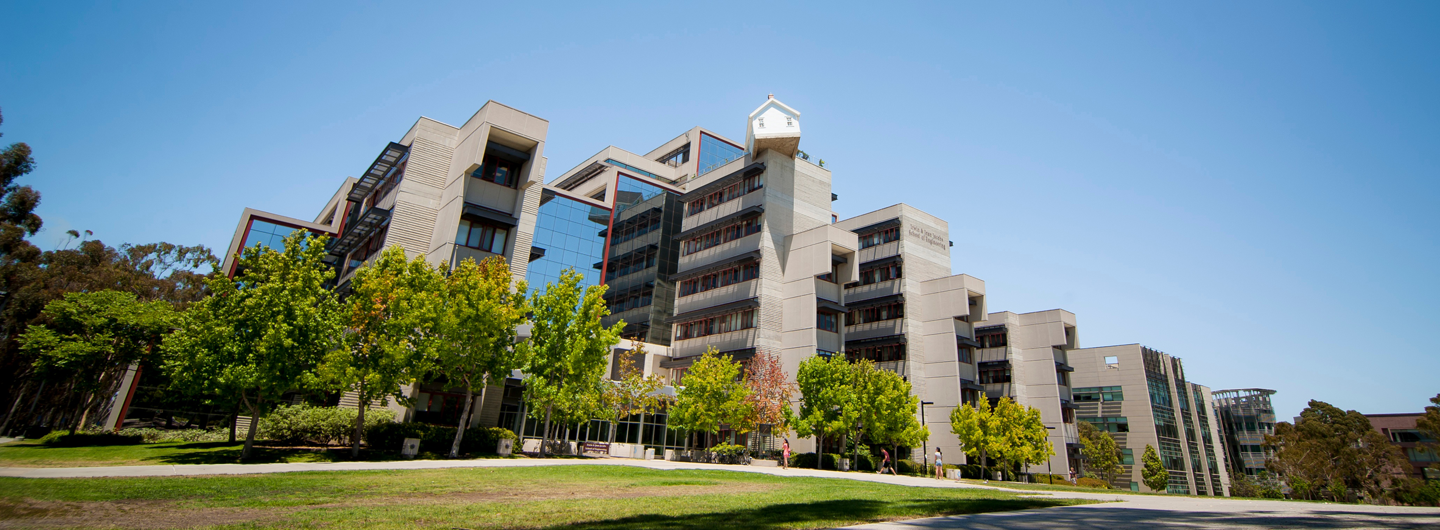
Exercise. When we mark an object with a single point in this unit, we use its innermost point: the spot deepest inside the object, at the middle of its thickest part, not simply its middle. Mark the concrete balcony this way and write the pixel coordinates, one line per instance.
(872, 330)
(753, 198)
(825, 290)
(964, 329)
(750, 243)
(827, 340)
(734, 340)
(874, 290)
(721, 295)
(1070, 432)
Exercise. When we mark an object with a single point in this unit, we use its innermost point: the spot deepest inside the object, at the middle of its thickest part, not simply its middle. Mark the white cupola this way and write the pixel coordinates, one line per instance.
(773, 126)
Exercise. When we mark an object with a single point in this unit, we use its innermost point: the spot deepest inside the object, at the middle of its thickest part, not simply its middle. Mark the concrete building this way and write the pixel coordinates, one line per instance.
(1026, 357)
(1246, 417)
(1141, 397)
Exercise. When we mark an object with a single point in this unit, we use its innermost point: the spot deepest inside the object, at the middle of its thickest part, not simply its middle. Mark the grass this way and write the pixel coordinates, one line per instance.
(577, 497)
(30, 454)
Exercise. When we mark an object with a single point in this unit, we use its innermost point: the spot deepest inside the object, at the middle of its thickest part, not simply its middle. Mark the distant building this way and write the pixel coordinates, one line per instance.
(1417, 445)
(1247, 416)
(1141, 397)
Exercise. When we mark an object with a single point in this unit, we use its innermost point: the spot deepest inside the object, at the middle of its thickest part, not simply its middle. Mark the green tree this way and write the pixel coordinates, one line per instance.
(1019, 434)
(263, 333)
(570, 348)
(976, 428)
(1102, 456)
(825, 388)
(477, 337)
(1153, 471)
(887, 408)
(1334, 450)
(1430, 422)
(390, 321)
(640, 391)
(90, 340)
(713, 394)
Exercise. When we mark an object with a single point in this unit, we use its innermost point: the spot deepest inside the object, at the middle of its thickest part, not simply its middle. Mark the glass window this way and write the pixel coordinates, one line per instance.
(722, 235)
(994, 374)
(481, 235)
(966, 355)
(880, 273)
(879, 354)
(1098, 393)
(265, 233)
(880, 237)
(825, 321)
(501, 171)
(876, 313)
(1127, 457)
(730, 276)
(715, 152)
(726, 194)
(716, 325)
(570, 232)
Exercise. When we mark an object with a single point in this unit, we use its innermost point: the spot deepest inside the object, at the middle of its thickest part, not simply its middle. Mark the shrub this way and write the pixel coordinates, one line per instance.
(297, 424)
(866, 462)
(908, 467)
(807, 460)
(728, 449)
(1053, 479)
(85, 439)
(151, 435)
(1087, 482)
(436, 438)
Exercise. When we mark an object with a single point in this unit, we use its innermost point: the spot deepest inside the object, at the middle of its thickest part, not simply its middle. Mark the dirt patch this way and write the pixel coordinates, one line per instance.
(125, 514)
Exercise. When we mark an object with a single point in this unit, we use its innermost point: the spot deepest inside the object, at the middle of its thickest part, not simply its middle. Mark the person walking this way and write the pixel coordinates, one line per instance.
(939, 466)
(884, 462)
(785, 454)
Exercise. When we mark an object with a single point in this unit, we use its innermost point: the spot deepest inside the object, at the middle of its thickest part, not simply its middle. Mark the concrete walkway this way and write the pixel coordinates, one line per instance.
(1125, 511)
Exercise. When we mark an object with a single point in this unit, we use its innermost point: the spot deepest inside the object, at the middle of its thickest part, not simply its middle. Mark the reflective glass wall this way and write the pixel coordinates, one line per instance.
(572, 235)
(643, 255)
(715, 152)
(268, 234)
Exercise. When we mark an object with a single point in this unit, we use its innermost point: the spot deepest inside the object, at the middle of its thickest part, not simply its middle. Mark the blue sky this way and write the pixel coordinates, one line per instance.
(1249, 187)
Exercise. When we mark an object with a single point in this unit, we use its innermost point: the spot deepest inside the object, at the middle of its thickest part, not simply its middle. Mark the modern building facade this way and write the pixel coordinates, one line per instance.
(1247, 417)
(1141, 397)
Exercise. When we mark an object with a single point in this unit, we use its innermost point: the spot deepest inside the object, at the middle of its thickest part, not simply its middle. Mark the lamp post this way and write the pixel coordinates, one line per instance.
(1049, 474)
(924, 446)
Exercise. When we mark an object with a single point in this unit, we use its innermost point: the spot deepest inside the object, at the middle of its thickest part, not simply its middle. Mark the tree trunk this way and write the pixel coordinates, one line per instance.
(234, 419)
(254, 423)
(820, 451)
(464, 421)
(359, 430)
(640, 436)
(19, 396)
(545, 435)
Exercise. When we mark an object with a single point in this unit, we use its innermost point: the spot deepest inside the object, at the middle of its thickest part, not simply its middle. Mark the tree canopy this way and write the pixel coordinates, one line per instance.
(570, 349)
(825, 385)
(263, 333)
(1332, 450)
(1102, 456)
(1153, 471)
(712, 394)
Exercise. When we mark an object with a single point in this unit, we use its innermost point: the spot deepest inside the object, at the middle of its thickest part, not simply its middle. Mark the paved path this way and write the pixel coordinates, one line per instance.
(1150, 511)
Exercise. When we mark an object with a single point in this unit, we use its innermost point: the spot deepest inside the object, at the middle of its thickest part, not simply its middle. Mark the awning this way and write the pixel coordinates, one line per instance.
(877, 226)
(368, 223)
(971, 385)
(722, 182)
(753, 211)
(1063, 367)
(716, 310)
(877, 341)
(1005, 362)
(883, 300)
(475, 210)
(716, 267)
(536, 253)
(966, 341)
(684, 362)
(990, 329)
(882, 261)
(822, 303)
(387, 160)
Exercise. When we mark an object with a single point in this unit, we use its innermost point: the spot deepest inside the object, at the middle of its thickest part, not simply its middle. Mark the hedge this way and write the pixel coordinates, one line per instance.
(807, 460)
(1092, 483)
(436, 438)
(83, 439)
(302, 424)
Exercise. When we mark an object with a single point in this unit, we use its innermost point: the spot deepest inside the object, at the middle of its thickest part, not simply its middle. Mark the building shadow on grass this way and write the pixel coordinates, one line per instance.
(1110, 516)
(808, 514)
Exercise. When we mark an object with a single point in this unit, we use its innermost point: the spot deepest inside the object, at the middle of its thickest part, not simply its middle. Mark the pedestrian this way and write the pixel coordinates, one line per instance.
(884, 462)
(939, 466)
(785, 454)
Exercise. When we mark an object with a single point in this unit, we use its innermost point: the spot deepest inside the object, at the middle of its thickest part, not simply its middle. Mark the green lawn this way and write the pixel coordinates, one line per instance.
(29, 454)
(576, 497)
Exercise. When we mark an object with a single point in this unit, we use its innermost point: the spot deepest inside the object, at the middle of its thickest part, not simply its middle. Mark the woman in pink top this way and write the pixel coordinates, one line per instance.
(785, 454)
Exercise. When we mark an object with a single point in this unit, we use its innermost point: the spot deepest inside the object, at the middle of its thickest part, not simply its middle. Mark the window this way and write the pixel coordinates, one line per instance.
(876, 313)
(628, 301)
(789, 121)
(677, 157)
(716, 325)
(480, 235)
(966, 355)
(570, 233)
(630, 263)
(1127, 457)
(1098, 393)
(991, 340)
(1421, 454)
(500, 171)
(762, 122)
(726, 194)
(715, 152)
(994, 374)
(1409, 436)
(1110, 360)
(632, 230)
(879, 354)
(265, 233)
(721, 236)
(715, 280)
(1109, 424)
(883, 236)
(879, 274)
(826, 321)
